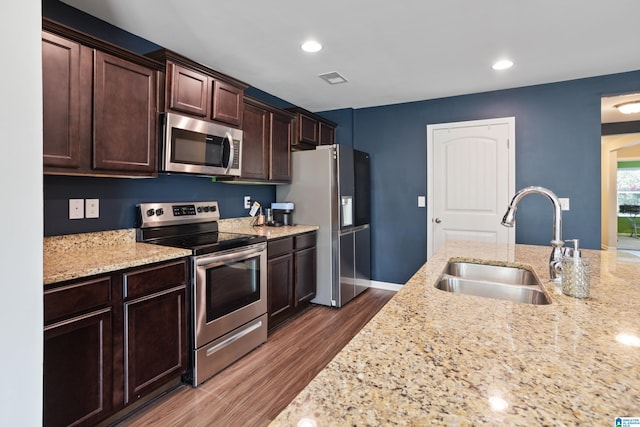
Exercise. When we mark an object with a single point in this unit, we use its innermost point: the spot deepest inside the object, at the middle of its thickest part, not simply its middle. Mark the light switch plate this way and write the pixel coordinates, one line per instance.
(422, 201)
(564, 203)
(76, 208)
(92, 208)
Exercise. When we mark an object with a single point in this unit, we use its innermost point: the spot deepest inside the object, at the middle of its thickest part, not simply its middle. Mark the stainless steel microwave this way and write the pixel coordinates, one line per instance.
(198, 147)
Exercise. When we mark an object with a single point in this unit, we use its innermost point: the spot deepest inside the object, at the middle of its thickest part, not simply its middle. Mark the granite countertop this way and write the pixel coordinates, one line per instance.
(243, 225)
(74, 256)
(431, 357)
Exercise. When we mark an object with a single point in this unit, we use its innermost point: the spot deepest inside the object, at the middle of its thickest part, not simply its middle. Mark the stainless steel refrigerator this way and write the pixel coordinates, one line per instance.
(330, 188)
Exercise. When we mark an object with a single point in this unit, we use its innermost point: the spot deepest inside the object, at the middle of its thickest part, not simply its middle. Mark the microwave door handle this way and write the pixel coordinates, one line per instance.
(229, 140)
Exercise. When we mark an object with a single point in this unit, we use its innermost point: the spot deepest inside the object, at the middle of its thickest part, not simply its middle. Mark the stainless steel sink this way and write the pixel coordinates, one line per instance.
(493, 281)
(492, 273)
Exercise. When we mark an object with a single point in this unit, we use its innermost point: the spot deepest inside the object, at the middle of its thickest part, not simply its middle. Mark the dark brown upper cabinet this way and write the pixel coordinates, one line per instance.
(311, 130)
(194, 89)
(61, 101)
(266, 143)
(124, 115)
(188, 91)
(327, 134)
(99, 106)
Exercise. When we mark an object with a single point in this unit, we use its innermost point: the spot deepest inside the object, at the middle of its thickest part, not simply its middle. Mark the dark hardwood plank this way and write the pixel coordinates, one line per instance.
(254, 390)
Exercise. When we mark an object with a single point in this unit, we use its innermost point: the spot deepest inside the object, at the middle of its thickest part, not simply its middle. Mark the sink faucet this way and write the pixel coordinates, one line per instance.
(509, 219)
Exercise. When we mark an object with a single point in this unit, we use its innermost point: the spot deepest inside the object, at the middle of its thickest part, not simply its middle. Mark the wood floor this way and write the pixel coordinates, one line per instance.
(254, 390)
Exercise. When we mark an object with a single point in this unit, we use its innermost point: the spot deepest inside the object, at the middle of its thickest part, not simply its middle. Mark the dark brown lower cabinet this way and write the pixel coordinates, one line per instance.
(305, 266)
(110, 341)
(291, 271)
(156, 341)
(280, 295)
(77, 369)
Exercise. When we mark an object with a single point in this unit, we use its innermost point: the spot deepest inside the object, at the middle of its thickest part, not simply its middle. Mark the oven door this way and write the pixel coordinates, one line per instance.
(230, 290)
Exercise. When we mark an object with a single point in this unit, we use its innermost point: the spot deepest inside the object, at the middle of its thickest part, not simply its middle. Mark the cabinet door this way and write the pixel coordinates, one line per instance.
(305, 263)
(280, 148)
(188, 91)
(77, 370)
(327, 134)
(227, 103)
(61, 107)
(307, 129)
(280, 288)
(255, 143)
(124, 120)
(155, 341)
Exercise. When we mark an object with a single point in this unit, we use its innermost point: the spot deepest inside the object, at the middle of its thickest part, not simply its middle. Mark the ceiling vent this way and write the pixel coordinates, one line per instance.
(333, 78)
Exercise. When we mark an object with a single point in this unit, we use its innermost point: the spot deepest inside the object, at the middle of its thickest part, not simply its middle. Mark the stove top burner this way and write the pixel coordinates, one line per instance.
(191, 225)
(210, 242)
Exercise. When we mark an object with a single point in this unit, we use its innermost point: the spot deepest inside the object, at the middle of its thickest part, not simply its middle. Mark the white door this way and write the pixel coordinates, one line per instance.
(471, 180)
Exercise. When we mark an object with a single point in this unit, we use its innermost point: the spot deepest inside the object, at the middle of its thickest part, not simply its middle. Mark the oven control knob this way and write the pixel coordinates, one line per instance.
(213, 208)
(150, 212)
(159, 211)
(206, 208)
(199, 209)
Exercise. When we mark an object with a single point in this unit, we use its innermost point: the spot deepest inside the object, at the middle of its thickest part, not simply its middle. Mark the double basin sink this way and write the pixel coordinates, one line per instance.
(510, 283)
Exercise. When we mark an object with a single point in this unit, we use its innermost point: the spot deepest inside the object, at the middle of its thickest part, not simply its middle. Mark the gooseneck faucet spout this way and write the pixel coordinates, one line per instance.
(509, 219)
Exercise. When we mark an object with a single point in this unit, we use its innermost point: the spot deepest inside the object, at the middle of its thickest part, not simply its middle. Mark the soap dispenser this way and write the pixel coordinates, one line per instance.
(575, 272)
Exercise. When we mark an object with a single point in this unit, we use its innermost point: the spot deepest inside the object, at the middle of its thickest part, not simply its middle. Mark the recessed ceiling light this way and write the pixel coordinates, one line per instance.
(629, 107)
(311, 46)
(503, 64)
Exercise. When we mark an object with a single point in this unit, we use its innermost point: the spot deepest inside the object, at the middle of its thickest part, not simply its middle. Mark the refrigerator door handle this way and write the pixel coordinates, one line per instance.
(360, 228)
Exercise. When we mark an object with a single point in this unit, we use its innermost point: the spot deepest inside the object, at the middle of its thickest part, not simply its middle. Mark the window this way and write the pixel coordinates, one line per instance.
(628, 184)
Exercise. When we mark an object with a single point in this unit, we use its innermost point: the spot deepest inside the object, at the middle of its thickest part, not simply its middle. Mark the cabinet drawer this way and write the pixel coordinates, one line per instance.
(279, 247)
(153, 279)
(69, 300)
(306, 240)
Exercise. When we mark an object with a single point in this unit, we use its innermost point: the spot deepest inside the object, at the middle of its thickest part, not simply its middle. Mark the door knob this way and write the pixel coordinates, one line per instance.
(437, 220)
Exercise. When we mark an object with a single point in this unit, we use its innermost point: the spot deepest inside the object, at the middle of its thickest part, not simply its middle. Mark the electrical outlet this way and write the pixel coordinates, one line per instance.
(564, 203)
(247, 202)
(92, 208)
(76, 208)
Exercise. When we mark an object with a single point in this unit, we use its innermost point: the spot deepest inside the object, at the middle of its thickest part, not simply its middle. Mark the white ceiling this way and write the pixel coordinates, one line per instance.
(390, 52)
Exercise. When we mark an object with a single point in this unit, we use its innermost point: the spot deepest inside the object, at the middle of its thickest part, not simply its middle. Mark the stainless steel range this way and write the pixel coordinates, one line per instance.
(228, 278)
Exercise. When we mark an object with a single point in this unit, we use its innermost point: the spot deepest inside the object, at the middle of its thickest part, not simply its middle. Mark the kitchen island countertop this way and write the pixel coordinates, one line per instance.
(431, 357)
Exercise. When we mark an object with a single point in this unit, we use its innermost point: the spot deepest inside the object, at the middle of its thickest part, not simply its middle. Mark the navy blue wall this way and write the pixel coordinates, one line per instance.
(557, 146)
(119, 196)
(344, 131)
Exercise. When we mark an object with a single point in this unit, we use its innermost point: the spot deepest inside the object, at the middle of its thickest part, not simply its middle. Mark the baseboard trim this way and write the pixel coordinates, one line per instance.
(385, 285)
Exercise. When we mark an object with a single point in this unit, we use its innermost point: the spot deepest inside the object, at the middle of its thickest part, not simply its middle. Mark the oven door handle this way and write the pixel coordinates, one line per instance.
(239, 255)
